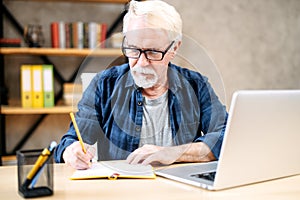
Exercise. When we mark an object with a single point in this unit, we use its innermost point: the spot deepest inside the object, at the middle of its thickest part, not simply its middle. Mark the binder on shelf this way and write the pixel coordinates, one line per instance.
(48, 85)
(26, 87)
(37, 86)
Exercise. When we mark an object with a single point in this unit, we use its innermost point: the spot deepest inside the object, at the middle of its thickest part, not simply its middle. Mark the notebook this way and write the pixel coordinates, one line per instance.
(261, 143)
(114, 169)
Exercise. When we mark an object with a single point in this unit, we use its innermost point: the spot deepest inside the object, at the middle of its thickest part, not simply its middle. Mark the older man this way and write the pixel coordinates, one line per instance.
(147, 110)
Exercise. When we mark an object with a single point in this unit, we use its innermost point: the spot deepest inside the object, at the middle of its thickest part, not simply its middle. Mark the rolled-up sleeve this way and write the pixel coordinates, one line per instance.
(213, 119)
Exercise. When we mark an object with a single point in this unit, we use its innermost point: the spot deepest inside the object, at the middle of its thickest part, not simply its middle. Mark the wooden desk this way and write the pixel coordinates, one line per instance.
(159, 188)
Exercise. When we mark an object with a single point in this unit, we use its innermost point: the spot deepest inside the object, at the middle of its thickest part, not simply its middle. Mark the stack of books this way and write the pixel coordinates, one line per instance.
(78, 34)
(37, 86)
(72, 92)
(10, 42)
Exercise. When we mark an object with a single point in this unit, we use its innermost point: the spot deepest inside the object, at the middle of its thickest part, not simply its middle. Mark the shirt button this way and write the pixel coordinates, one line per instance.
(138, 128)
(140, 103)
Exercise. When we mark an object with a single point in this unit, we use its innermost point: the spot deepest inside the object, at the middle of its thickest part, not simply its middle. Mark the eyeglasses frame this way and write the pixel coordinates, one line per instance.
(145, 51)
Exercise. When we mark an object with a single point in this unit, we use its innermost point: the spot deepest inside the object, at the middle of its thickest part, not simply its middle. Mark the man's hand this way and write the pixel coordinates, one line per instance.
(151, 154)
(76, 158)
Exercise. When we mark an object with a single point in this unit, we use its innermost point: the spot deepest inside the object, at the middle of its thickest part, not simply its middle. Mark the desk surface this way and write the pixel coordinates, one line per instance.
(159, 188)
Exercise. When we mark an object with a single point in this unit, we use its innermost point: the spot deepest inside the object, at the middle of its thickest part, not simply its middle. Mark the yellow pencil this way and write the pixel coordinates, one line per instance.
(77, 132)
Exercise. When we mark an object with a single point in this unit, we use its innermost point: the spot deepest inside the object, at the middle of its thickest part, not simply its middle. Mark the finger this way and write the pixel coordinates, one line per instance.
(91, 151)
(164, 156)
(82, 162)
(153, 158)
(139, 158)
(140, 154)
(79, 164)
(89, 155)
(78, 158)
(148, 160)
(130, 159)
(131, 156)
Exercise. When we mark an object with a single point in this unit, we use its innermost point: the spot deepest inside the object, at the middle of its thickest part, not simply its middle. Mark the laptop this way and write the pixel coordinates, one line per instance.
(261, 143)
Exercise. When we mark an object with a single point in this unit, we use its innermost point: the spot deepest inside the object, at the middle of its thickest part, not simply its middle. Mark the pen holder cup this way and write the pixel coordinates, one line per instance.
(35, 174)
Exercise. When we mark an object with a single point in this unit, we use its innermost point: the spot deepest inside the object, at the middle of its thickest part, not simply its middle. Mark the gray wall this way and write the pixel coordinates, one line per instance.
(254, 45)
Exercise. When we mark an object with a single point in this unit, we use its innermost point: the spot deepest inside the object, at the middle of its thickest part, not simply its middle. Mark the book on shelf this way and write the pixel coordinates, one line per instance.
(79, 37)
(55, 35)
(93, 35)
(72, 92)
(103, 35)
(113, 170)
(37, 86)
(78, 34)
(68, 35)
(62, 35)
(10, 42)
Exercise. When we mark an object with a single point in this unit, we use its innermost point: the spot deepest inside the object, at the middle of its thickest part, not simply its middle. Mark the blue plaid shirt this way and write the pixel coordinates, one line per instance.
(111, 112)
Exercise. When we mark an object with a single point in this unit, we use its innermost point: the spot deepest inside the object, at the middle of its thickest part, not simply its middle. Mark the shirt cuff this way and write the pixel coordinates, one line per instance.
(213, 141)
(58, 153)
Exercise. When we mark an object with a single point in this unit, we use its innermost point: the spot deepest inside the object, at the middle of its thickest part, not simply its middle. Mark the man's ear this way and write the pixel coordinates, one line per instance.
(175, 48)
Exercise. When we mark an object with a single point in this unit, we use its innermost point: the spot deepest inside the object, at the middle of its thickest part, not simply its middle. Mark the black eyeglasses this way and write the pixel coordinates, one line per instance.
(153, 55)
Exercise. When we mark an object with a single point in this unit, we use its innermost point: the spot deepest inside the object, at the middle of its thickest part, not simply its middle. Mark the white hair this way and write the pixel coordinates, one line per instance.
(159, 15)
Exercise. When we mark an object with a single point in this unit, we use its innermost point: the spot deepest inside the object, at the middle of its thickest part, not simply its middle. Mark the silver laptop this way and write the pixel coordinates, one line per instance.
(262, 142)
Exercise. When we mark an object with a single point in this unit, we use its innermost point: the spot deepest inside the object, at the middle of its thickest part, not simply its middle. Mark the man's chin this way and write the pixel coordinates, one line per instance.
(144, 82)
(145, 85)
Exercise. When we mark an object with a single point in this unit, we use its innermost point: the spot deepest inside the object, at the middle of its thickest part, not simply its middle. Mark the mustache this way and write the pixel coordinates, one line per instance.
(143, 70)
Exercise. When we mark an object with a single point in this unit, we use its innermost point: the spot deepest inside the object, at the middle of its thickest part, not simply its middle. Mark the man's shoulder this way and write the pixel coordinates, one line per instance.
(188, 74)
(115, 71)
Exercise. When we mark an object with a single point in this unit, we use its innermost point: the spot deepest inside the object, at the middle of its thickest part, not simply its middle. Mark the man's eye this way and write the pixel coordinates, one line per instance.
(153, 53)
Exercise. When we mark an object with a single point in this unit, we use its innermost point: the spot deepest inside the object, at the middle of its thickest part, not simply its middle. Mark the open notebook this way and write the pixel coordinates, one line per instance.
(114, 170)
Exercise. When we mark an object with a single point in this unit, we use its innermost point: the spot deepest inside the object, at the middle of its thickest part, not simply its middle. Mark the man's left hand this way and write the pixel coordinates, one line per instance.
(151, 154)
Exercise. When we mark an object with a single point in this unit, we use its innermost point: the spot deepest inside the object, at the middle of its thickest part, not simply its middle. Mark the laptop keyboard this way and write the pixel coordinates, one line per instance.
(207, 176)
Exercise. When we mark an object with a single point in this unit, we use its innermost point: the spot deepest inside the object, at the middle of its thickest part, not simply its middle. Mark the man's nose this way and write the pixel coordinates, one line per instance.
(142, 60)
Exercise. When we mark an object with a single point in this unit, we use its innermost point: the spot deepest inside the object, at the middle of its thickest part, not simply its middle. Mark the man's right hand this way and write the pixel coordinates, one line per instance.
(76, 158)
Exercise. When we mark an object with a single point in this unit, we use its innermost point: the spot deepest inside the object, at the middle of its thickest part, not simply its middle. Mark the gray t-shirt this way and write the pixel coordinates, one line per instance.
(156, 128)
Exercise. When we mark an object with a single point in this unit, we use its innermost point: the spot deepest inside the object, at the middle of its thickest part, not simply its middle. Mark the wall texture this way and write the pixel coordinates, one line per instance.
(254, 45)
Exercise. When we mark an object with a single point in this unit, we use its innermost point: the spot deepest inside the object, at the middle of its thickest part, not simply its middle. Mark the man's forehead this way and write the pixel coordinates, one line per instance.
(146, 37)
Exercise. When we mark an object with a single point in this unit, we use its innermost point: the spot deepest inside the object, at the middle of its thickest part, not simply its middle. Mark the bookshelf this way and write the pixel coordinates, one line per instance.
(43, 53)
(9, 110)
(85, 1)
(17, 110)
(60, 52)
